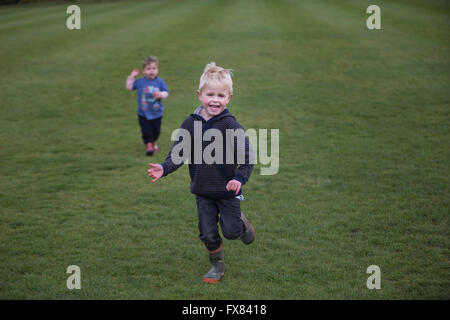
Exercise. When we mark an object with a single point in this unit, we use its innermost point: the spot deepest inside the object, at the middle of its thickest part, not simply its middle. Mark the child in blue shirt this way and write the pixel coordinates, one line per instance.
(151, 89)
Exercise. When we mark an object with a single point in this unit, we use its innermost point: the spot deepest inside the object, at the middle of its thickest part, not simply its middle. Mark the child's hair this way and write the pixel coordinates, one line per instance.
(149, 60)
(215, 75)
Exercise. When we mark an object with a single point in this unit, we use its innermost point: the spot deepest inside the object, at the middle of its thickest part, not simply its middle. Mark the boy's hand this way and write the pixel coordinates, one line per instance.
(156, 171)
(135, 72)
(157, 95)
(233, 185)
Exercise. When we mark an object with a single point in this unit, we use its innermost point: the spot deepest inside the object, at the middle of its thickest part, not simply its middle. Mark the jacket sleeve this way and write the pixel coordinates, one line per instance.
(180, 150)
(245, 169)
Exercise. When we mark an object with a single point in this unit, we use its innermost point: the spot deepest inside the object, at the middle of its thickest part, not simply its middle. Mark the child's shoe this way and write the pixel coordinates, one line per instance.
(218, 267)
(150, 149)
(155, 147)
(249, 232)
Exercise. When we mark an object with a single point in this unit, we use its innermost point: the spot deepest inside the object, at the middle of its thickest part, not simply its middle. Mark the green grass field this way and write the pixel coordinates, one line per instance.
(364, 149)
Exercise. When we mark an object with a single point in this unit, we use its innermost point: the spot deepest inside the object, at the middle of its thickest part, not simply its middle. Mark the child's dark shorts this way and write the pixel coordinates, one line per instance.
(208, 216)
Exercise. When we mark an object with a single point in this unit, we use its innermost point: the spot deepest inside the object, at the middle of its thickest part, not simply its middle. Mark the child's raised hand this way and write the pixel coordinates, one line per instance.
(135, 72)
(233, 185)
(156, 171)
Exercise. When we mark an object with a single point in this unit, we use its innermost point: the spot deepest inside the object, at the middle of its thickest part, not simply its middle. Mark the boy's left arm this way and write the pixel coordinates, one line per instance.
(160, 94)
(234, 185)
(245, 169)
(163, 92)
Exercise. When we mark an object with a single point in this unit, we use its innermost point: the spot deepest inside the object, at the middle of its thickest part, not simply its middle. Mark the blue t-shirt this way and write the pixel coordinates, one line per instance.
(148, 106)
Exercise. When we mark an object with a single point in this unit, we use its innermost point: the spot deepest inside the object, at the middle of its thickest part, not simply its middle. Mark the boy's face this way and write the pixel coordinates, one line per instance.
(214, 99)
(151, 70)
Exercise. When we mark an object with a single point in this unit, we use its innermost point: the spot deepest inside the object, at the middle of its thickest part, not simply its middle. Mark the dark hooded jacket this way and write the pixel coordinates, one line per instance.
(209, 179)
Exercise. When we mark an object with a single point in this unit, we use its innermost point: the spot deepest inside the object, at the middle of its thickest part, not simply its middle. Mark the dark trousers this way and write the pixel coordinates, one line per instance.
(150, 129)
(208, 217)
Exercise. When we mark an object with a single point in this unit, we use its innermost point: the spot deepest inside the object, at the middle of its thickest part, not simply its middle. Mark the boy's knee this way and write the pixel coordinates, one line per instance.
(211, 243)
(231, 234)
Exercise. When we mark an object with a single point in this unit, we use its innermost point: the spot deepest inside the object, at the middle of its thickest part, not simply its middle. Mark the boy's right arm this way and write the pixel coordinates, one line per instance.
(156, 171)
(131, 78)
(180, 150)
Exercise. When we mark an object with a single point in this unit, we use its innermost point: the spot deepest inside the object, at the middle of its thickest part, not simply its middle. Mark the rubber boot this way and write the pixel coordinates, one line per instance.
(249, 233)
(218, 267)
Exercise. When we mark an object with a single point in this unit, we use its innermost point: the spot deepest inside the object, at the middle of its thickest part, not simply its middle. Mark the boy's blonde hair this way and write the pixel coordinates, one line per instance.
(214, 75)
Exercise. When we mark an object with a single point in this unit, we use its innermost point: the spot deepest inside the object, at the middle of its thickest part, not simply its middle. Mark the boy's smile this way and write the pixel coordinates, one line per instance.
(214, 100)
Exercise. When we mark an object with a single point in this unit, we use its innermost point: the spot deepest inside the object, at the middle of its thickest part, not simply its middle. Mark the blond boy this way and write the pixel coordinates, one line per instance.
(217, 186)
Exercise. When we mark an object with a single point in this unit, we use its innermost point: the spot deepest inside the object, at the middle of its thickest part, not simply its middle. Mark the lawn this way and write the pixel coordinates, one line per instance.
(364, 154)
